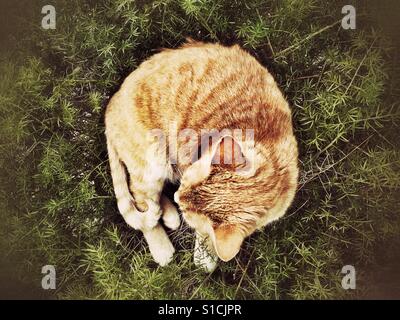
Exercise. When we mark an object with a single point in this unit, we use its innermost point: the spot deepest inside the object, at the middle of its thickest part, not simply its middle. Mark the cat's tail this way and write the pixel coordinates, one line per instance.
(125, 201)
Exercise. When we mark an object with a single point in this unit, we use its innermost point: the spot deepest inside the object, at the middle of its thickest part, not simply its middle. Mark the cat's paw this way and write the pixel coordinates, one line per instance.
(160, 246)
(163, 254)
(170, 214)
(202, 256)
(205, 260)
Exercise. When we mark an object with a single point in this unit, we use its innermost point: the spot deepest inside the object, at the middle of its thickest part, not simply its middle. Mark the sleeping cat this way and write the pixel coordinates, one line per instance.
(201, 93)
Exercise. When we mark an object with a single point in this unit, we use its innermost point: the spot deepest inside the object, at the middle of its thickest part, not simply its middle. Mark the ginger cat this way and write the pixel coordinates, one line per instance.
(158, 127)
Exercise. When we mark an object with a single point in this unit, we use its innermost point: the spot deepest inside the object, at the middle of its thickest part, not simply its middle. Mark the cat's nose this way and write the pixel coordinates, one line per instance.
(176, 197)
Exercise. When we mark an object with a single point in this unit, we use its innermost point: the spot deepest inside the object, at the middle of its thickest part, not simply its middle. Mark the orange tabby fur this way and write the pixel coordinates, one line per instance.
(201, 86)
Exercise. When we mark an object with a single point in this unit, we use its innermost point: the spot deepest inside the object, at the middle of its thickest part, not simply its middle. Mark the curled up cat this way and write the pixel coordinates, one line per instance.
(212, 118)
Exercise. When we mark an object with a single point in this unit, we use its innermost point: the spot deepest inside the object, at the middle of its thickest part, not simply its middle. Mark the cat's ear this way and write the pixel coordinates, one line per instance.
(224, 150)
(228, 153)
(236, 155)
(227, 240)
(201, 167)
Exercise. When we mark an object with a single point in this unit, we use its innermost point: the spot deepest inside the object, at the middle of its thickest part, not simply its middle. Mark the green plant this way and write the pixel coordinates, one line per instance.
(57, 203)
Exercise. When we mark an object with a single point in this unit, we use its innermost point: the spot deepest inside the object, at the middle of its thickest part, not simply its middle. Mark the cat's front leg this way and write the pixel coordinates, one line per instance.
(148, 171)
(160, 246)
(170, 213)
(156, 237)
(147, 199)
(203, 256)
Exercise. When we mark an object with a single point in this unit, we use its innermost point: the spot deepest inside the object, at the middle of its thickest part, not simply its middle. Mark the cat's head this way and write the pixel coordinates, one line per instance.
(227, 202)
